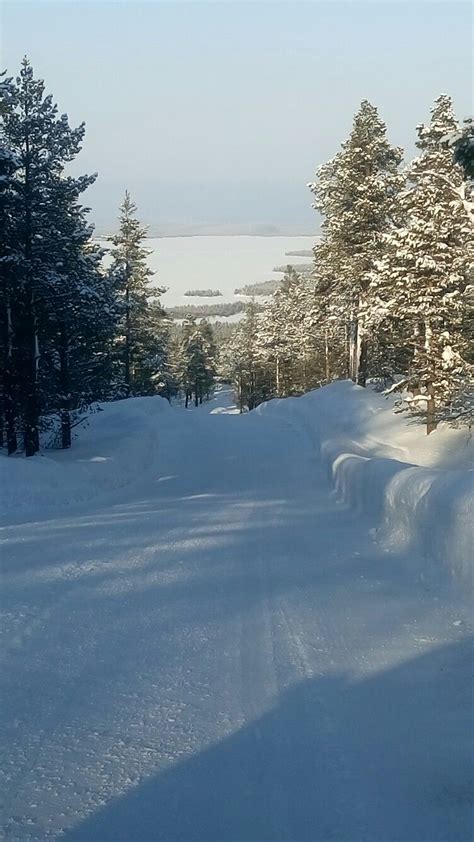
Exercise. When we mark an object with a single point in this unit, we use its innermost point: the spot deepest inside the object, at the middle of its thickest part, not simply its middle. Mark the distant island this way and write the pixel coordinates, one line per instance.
(202, 311)
(103, 230)
(301, 268)
(203, 293)
(263, 288)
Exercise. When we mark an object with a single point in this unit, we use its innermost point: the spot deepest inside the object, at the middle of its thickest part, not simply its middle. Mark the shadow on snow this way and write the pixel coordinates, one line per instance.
(387, 758)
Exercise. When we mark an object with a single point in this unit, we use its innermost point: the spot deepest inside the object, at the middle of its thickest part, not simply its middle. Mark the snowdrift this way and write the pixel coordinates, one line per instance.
(417, 490)
(113, 448)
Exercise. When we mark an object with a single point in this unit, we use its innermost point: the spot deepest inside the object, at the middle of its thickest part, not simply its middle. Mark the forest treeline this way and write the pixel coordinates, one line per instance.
(389, 295)
(262, 288)
(72, 331)
(203, 293)
(204, 311)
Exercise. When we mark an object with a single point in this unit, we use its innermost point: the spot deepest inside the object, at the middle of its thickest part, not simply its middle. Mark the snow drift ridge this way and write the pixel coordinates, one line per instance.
(368, 453)
(114, 448)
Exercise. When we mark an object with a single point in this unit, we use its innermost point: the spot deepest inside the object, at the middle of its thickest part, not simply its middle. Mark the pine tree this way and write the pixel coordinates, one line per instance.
(247, 364)
(197, 359)
(461, 141)
(357, 193)
(211, 355)
(43, 144)
(283, 342)
(77, 330)
(425, 274)
(9, 263)
(143, 328)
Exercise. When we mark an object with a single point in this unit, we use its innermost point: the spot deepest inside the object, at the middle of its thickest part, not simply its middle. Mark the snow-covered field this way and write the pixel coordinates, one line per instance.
(225, 263)
(232, 628)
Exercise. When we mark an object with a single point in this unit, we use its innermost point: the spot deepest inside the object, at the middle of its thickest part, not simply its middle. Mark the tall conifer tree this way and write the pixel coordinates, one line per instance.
(427, 268)
(49, 222)
(357, 193)
(143, 330)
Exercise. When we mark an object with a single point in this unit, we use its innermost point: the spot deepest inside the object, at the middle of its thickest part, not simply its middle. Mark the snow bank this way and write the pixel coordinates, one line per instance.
(115, 447)
(410, 485)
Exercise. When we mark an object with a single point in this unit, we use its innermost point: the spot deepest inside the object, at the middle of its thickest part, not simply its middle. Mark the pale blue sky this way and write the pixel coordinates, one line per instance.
(217, 113)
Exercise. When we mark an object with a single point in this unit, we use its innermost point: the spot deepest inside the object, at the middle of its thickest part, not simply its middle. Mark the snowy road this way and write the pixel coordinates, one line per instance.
(225, 654)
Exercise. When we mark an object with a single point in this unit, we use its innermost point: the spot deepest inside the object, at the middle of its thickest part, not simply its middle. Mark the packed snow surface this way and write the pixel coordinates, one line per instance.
(212, 629)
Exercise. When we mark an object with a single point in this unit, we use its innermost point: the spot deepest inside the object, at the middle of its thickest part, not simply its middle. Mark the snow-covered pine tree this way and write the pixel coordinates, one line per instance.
(285, 338)
(277, 338)
(143, 328)
(424, 277)
(247, 362)
(42, 143)
(211, 355)
(324, 326)
(197, 357)
(461, 141)
(9, 263)
(357, 194)
(310, 370)
(77, 327)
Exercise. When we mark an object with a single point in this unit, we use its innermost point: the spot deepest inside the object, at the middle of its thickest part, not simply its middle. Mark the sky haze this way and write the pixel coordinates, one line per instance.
(215, 115)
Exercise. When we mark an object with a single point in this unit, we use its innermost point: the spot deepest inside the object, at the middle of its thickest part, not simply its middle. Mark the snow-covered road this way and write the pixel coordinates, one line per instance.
(223, 653)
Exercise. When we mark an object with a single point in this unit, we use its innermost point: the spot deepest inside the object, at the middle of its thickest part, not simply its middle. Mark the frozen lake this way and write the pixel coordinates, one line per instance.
(224, 263)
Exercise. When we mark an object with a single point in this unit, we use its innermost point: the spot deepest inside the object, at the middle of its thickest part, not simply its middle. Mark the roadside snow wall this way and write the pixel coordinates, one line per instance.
(114, 447)
(370, 454)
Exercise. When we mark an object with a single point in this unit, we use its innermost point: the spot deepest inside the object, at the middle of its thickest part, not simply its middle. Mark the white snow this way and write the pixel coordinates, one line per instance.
(418, 490)
(108, 454)
(202, 642)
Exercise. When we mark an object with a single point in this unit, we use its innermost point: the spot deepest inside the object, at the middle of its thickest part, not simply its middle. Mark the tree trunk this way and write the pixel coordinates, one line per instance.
(414, 369)
(251, 392)
(278, 378)
(305, 369)
(31, 411)
(362, 361)
(353, 348)
(348, 351)
(361, 349)
(431, 422)
(240, 394)
(65, 389)
(326, 357)
(8, 381)
(31, 433)
(196, 395)
(127, 340)
(187, 400)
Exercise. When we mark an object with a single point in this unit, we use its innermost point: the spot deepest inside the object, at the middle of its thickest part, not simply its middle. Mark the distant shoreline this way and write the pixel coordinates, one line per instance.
(189, 236)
